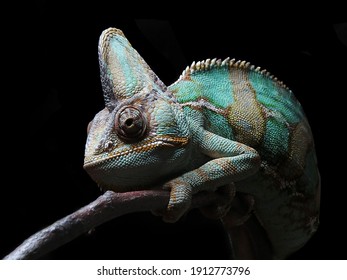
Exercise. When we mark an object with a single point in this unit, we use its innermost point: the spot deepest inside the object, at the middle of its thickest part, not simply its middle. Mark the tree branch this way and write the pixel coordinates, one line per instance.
(106, 207)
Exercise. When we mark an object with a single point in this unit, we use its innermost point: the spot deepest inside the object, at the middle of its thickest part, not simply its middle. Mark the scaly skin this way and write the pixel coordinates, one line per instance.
(223, 125)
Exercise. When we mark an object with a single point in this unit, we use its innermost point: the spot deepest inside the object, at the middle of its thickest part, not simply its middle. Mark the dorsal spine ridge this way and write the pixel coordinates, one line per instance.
(208, 64)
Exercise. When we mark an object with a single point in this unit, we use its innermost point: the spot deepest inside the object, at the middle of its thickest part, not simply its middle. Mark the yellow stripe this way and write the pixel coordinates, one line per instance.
(245, 114)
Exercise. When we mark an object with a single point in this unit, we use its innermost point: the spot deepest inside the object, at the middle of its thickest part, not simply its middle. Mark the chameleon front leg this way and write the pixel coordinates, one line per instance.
(231, 161)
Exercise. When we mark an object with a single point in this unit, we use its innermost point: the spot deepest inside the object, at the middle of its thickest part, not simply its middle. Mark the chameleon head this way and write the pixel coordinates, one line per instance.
(134, 144)
(141, 135)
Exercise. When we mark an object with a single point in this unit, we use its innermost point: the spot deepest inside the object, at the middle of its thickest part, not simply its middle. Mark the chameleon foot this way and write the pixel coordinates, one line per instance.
(180, 200)
(220, 208)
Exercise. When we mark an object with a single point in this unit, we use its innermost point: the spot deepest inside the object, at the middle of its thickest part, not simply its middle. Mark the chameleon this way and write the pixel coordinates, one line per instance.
(224, 126)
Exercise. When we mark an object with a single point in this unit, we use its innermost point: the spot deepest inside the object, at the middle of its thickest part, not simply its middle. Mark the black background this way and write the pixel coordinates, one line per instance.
(61, 93)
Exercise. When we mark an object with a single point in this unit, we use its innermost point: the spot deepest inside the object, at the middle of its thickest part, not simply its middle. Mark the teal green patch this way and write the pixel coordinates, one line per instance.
(276, 140)
(119, 48)
(275, 97)
(212, 85)
(218, 124)
(166, 122)
(185, 91)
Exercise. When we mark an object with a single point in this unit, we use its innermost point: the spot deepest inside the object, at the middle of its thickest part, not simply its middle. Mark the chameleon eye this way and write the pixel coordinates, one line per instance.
(130, 124)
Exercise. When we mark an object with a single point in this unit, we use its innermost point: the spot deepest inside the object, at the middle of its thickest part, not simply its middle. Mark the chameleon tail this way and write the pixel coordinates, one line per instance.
(247, 237)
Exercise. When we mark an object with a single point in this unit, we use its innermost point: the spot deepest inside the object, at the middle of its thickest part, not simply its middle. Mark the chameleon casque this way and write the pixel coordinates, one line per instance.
(222, 126)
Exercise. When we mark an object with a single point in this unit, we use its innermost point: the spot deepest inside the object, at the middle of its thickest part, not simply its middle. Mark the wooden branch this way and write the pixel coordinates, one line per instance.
(106, 207)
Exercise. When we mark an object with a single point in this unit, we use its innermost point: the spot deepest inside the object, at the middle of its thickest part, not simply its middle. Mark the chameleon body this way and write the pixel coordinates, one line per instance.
(223, 125)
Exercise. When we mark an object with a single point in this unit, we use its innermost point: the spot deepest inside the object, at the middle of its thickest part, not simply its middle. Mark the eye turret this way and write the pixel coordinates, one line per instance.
(130, 124)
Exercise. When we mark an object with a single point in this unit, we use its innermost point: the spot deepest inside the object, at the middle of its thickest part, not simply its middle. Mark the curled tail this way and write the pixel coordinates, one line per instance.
(248, 238)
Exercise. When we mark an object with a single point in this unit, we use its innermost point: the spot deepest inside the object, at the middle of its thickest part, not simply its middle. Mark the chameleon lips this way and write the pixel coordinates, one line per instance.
(150, 144)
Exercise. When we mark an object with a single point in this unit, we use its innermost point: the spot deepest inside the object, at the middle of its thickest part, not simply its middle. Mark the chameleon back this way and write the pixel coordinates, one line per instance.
(243, 103)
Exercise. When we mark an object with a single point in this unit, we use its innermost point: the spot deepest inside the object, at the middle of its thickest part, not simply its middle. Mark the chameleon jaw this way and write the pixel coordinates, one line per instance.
(162, 141)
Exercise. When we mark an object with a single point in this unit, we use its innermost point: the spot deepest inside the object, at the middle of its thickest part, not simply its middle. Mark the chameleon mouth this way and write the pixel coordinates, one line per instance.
(155, 142)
